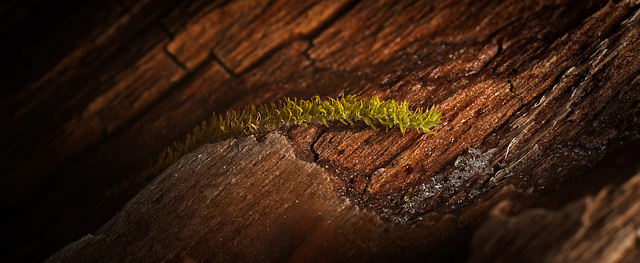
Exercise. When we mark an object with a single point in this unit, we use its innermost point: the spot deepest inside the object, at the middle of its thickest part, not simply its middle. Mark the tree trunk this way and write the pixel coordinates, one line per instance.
(536, 158)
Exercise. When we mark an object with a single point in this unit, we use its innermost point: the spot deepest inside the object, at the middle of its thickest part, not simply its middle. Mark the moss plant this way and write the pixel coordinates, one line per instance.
(254, 120)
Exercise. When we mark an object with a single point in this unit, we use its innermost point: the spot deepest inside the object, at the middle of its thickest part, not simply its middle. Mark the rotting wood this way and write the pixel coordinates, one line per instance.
(601, 227)
(243, 32)
(215, 215)
(123, 42)
(533, 93)
(101, 117)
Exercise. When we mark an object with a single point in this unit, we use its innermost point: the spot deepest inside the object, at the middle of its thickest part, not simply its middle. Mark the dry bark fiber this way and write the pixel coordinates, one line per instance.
(534, 94)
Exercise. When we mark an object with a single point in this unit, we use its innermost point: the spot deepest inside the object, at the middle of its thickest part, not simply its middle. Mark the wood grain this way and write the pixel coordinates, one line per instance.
(242, 32)
(301, 218)
(600, 227)
(533, 94)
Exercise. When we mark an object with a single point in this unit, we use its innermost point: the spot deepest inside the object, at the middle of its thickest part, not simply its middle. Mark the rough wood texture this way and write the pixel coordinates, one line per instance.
(300, 216)
(533, 93)
(602, 227)
(252, 29)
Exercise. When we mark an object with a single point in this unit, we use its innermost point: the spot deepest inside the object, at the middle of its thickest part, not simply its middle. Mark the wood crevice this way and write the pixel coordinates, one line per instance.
(547, 88)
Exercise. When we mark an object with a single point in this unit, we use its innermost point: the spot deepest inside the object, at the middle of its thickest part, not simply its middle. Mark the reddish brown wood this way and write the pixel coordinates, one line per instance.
(532, 93)
(600, 227)
(299, 216)
(241, 33)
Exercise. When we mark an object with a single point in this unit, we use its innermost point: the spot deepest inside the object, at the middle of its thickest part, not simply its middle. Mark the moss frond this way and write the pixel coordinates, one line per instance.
(263, 118)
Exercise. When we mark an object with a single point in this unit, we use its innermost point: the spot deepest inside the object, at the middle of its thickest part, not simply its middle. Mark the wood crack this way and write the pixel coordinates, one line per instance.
(304, 37)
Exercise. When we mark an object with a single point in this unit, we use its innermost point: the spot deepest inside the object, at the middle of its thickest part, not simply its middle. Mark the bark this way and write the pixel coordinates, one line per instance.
(534, 94)
(600, 227)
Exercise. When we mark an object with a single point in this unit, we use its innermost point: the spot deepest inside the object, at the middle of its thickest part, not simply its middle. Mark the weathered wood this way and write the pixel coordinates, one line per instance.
(601, 227)
(42, 135)
(120, 44)
(243, 32)
(532, 93)
(298, 217)
(102, 116)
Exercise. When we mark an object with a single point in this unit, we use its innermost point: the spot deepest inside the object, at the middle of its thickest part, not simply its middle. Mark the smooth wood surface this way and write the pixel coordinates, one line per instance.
(533, 93)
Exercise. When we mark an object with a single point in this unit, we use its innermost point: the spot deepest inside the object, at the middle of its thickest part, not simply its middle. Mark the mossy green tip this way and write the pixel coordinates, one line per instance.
(254, 120)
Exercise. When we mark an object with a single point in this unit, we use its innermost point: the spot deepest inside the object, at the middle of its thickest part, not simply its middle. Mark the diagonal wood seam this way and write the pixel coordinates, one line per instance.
(256, 62)
(528, 151)
(308, 37)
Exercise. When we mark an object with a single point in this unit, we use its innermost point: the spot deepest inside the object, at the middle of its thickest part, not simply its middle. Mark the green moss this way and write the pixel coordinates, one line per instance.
(254, 120)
